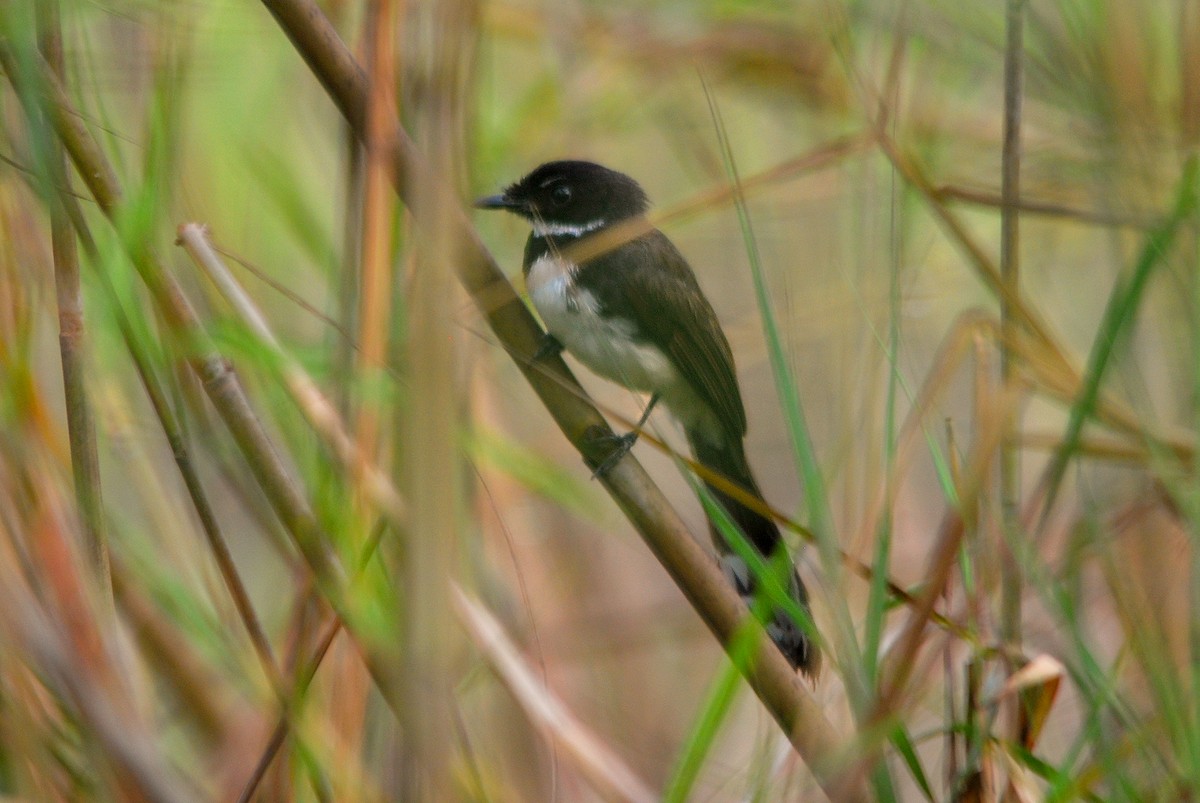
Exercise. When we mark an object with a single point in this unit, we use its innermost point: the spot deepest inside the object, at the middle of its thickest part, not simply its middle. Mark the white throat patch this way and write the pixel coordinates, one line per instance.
(543, 229)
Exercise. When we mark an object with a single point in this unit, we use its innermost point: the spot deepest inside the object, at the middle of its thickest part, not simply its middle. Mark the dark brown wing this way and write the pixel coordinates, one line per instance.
(670, 311)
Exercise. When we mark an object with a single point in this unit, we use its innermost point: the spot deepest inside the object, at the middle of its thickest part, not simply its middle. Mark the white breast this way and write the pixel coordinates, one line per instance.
(604, 345)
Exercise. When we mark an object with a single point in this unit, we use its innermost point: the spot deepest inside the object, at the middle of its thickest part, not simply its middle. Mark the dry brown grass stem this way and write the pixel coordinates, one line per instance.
(1011, 581)
(81, 430)
(610, 776)
(321, 413)
(985, 267)
(378, 209)
(1042, 353)
(903, 659)
(1047, 208)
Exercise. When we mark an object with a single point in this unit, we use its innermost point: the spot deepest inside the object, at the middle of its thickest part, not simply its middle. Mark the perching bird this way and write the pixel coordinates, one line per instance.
(635, 314)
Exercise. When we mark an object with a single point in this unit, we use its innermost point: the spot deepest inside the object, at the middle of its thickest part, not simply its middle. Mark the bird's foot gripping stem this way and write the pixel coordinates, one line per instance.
(550, 346)
(621, 444)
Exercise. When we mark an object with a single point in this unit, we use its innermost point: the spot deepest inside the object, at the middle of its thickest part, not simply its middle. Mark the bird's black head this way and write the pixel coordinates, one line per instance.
(571, 197)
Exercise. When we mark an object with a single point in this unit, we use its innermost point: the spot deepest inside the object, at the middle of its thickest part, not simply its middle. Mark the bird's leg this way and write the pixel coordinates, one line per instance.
(550, 346)
(623, 443)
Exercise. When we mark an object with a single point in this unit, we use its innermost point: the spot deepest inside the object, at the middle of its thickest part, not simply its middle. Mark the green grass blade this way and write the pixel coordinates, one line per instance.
(908, 752)
(1117, 319)
(816, 499)
(703, 733)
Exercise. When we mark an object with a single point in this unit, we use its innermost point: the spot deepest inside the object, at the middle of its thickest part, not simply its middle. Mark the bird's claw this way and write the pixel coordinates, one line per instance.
(550, 346)
(621, 446)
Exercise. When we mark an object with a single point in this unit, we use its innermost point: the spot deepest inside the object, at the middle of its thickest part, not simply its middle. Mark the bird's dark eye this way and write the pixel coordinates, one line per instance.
(560, 194)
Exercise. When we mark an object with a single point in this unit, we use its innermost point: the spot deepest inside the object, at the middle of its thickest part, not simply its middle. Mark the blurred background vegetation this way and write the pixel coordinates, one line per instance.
(1003, 426)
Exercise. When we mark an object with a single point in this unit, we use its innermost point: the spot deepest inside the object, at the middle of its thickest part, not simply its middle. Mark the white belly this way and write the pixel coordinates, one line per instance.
(604, 345)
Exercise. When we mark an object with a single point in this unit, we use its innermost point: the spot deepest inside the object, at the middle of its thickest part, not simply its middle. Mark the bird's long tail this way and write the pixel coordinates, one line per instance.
(728, 459)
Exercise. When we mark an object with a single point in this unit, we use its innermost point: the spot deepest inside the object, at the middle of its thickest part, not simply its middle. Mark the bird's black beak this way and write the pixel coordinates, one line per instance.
(500, 201)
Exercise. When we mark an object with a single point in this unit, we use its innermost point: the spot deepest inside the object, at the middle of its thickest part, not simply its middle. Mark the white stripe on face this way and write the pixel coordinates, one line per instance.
(543, 229)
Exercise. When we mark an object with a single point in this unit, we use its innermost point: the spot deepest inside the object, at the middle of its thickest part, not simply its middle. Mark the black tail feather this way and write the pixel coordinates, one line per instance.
(728, 459)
